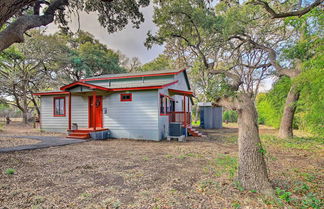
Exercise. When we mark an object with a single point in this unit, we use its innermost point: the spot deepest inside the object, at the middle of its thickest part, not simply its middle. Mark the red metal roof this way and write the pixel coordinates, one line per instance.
(121, 76)
(50, 93)
(64, 88)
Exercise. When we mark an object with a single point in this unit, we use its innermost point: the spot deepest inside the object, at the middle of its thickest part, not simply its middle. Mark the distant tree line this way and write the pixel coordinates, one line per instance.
(46, 62)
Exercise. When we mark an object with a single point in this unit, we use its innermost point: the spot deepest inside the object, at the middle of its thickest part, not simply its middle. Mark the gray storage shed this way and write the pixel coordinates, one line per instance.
(210, 116)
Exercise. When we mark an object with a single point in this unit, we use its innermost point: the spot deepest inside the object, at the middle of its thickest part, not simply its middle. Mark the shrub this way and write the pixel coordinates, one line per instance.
(10, 171)
(311, 201)
(230, 116)
(282, 194)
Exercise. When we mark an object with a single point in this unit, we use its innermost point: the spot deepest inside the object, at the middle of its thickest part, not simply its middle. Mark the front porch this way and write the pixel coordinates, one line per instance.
(181, 117)
(184, 116)
(92, 101)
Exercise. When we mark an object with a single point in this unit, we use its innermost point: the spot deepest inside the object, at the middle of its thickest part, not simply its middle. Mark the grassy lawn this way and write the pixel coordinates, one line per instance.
(138, 174)
(1, 126)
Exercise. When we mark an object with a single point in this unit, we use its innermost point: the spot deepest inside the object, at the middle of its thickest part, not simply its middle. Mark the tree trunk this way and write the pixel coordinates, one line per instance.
(286, 125)
(14, 32)
(252, 171)
(197, 113)
(36, 106)
(10, 7)
(25, 102)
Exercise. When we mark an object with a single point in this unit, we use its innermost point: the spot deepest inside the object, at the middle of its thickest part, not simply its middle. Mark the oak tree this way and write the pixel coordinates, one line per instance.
(19, 16)
(295, 69)
(233, 71)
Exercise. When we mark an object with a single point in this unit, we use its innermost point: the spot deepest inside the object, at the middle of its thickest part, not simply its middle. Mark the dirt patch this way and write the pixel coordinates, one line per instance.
(123, 173)
(17, 128)
(12, 141)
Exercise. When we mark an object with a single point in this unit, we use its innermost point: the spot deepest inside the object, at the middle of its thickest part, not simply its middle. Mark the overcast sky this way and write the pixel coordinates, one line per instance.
(130, 41)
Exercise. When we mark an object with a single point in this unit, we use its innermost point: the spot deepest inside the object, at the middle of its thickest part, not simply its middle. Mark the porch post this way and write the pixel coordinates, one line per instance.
(70, 110)
(94, 110)
(188, 104)
(184, 111)
(189, 113)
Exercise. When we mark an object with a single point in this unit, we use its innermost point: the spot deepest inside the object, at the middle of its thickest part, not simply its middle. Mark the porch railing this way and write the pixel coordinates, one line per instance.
(183, 117)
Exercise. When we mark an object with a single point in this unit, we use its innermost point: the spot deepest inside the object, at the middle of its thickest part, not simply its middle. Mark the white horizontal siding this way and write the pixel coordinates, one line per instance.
(159, 78)
(48, 121)
(137, 119)
(80, 111)
(80, 89)
(182, 84)
(60, 124)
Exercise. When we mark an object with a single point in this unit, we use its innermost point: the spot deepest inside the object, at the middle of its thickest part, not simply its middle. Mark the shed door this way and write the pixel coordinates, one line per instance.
(98, 112)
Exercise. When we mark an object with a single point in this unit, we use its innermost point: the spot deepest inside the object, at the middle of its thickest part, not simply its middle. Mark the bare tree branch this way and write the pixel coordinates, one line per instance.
(38, 5)
(297, 13)
(228, 102)
(14, 33)
(237, 82)
(272, 57)
(257, 66)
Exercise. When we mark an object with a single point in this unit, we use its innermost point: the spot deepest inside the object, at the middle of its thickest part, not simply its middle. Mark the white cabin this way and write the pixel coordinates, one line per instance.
(133, 105)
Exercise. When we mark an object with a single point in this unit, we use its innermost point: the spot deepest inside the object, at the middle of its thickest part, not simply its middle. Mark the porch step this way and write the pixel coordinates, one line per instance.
(194, 132)
(79, 135)
(83, 133)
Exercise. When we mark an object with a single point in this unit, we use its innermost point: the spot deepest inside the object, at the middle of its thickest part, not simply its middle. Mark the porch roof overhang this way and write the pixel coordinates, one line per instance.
(181, 92)
(189, 94)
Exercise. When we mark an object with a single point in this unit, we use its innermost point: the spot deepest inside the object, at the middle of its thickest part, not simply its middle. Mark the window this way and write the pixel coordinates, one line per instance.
(172, 107)
(125, 97)
(166, 103)
(162, 110)
(59, 106)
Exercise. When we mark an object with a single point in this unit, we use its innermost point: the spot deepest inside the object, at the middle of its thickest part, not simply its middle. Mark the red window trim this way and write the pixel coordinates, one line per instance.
(126, 100)
(54, 107)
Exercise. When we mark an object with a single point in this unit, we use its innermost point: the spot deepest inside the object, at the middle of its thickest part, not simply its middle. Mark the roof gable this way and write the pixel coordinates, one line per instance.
(187, 79)
(91, 86)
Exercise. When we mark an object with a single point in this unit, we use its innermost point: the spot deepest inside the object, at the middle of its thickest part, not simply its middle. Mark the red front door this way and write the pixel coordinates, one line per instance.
(98, 112)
